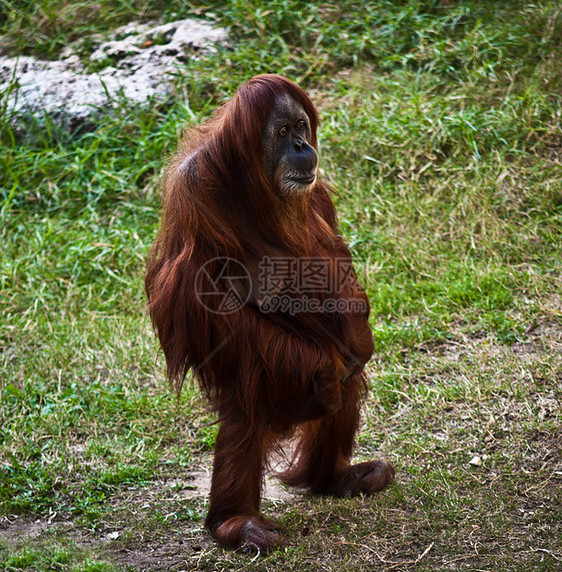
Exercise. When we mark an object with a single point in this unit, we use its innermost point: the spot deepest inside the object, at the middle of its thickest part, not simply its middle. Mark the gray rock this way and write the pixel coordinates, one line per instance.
(137, 61)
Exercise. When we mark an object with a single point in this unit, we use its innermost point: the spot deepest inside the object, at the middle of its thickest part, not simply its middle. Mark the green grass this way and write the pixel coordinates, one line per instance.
(54, 557)
(441, 130)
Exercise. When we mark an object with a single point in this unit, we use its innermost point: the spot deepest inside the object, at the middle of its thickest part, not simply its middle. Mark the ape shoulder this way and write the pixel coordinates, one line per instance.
(323, 206)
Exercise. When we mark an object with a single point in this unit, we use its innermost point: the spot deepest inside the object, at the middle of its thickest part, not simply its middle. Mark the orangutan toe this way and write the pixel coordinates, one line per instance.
(249, 534)
(260, 535)
(369, 477)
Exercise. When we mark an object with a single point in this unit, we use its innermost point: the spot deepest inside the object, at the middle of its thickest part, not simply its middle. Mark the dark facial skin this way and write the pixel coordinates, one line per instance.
(289, 159)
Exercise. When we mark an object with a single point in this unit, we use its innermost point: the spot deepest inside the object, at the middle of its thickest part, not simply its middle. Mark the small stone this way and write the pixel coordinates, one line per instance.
(113, 535)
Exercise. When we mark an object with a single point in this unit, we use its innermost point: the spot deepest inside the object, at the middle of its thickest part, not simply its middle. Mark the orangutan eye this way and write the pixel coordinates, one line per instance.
(283, 131)
(301, 125)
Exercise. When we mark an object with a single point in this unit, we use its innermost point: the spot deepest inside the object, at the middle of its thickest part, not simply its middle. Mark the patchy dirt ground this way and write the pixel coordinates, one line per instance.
(475, 438)
(131, 536)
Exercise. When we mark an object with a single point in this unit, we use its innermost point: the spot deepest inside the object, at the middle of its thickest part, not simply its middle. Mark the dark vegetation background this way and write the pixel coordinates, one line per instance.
(442, 135)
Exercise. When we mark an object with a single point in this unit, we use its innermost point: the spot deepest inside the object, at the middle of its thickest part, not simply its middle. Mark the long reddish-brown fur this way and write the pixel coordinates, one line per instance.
(266, 373)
